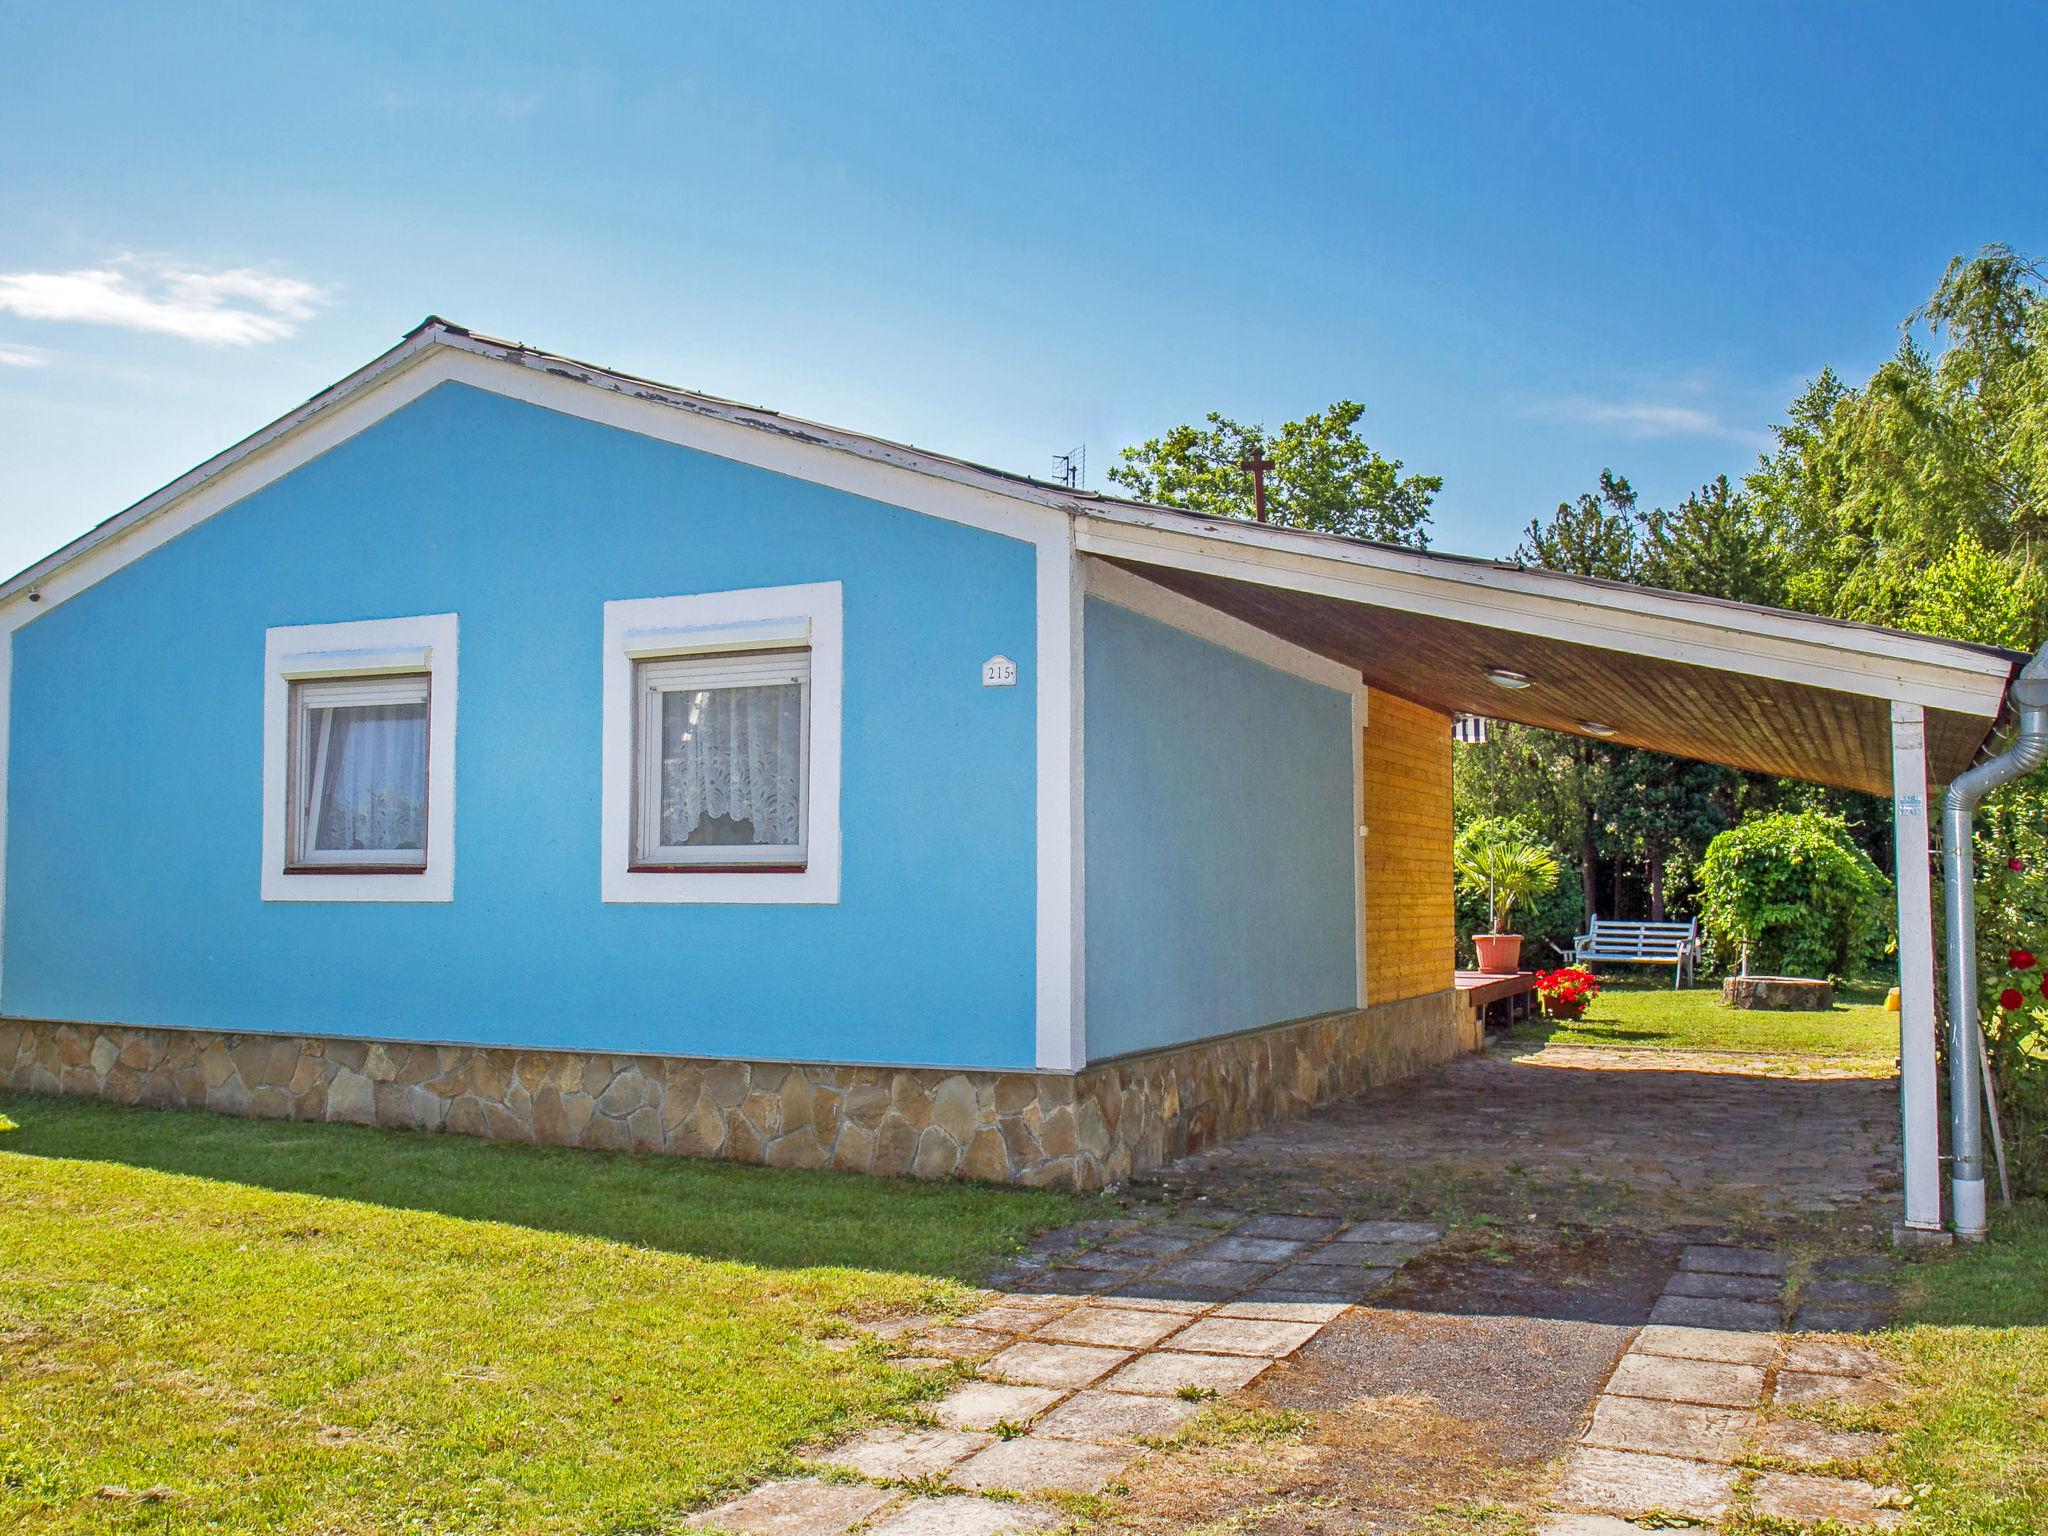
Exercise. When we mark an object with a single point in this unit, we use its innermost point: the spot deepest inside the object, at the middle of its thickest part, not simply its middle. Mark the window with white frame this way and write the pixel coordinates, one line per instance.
(359, 773)
(359, 760)
(721, 757)
(721, 746)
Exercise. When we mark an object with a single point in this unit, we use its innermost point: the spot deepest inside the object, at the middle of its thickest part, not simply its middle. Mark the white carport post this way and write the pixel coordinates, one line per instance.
(1919, 1102)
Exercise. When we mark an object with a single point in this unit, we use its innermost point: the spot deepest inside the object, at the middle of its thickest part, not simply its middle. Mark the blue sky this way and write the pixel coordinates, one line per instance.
(1534, 240)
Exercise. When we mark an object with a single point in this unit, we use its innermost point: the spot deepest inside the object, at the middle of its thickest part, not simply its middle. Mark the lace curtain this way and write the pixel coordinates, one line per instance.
(369, 788)
(732, 766)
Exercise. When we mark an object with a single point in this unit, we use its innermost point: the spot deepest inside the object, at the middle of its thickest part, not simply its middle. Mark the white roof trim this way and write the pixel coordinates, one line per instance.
(1703, 631)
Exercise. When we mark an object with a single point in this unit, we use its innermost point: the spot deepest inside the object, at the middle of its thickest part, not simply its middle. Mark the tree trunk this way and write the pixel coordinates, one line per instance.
(1617, 887)
(1656, 862)
(1588, 875)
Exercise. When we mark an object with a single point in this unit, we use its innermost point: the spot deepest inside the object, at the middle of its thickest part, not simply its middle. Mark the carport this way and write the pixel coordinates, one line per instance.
(1846, 705)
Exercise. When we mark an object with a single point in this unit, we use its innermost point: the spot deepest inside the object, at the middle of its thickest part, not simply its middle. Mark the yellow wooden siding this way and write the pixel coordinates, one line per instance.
(1410, 924)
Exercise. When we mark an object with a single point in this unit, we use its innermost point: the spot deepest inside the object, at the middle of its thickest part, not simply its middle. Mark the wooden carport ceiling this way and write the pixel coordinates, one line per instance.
(1717, 716)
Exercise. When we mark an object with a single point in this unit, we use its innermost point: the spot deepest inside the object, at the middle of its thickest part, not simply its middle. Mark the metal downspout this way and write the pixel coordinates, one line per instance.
(2029, 694)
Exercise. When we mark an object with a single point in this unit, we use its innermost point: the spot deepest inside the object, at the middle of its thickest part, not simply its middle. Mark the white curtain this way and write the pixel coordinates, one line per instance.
(370, 777)
(732, 766)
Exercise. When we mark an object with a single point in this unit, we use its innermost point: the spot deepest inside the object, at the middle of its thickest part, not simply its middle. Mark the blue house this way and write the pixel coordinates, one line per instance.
(500, 744)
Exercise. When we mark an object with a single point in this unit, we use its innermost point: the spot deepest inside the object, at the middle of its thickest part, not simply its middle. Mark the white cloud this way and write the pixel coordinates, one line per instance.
(236, 307)
(1643, 418)
(23, 357)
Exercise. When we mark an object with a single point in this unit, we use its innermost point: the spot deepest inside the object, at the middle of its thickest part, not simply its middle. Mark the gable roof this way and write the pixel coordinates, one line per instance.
(1282, 579)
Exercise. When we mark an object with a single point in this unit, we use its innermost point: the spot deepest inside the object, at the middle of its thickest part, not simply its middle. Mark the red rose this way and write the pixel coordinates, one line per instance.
(2015, 865)
(2021, 959)
(2010, 999)
(2044, 986)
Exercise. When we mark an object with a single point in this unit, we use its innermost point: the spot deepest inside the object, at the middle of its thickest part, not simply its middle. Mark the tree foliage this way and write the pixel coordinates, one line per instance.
(1324, 476)
(1793, 894)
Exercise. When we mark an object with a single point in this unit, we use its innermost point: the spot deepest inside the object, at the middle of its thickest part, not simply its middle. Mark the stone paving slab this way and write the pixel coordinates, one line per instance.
(1702, 1312)
(1037, 1465)
(1115, 1416)
(1244, 1336)
(1834, 1357)
(1711, 1286)
(1016, 1314)
(1368, 1255)
(895, 1455)
(1112, 1327)
(1669, 1429)
(1284, 1307)
(1056, 1365)
(1707, 1344)
(1624, 1483)
(1391, 1232)
(1073, 1282)
(1164, 1373)
(961, 1515)
(1331, 1282)
(1147, 1296)
(1250, 1250)
(1216, 1274)
(1830, 1319)
(1305, 1229)
(1709, 1258)
(1803, 1497)
(1591, 1525)
(961, 1343)
(1860, 1293)
(1810, 1444)
(797, 1506)
(1110, 1259)
(1803, 1387)
(982, 1405)
(1157, 1243)
(1710, 1382)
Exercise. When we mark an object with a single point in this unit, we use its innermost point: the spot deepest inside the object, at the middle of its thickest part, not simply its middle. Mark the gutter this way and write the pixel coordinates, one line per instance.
(2029, 694)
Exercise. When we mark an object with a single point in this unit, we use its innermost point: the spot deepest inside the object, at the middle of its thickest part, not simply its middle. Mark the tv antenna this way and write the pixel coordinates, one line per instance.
(1071, 468)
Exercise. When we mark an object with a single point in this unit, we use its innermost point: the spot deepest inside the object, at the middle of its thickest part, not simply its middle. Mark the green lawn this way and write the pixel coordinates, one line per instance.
(1976, 1344)
(315, 1328)
(1642, 1015)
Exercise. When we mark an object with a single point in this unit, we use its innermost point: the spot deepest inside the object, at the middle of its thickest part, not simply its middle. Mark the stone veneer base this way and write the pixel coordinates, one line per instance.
(1080, 1130)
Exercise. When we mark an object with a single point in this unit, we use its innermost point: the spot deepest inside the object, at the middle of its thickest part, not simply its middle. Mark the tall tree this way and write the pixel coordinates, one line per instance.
(1324, 476)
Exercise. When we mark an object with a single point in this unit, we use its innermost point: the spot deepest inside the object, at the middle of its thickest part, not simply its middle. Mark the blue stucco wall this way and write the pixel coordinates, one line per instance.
(135, 777)
(1220, 872)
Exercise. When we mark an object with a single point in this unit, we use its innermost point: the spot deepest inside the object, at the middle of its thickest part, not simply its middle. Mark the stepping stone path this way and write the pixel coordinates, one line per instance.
(1679, 1423)
(1107, 1336)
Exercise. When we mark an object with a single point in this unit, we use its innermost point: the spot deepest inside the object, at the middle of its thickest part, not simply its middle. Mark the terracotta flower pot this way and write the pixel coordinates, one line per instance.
(1500, 954)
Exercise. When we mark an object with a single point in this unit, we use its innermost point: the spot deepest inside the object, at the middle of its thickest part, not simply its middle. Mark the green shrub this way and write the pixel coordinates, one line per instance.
(2012, 925)
(1795, 892)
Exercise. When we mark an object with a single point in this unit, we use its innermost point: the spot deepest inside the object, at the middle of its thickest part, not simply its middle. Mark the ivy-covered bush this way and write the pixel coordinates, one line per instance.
(2012, 958)
(1794, 891)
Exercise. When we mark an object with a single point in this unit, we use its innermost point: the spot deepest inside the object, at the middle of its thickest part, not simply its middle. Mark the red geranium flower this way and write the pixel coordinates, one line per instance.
(2010, 999)
(2022, 959)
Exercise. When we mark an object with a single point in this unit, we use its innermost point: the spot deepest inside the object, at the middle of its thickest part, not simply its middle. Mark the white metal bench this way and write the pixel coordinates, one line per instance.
(1611, 943)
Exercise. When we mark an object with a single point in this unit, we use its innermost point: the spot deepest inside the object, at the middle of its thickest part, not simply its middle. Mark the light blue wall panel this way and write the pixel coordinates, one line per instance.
(1220, 832)
(133, 848)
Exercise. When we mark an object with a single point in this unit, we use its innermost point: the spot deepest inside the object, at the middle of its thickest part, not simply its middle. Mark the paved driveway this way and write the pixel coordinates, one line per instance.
(1651, 1141)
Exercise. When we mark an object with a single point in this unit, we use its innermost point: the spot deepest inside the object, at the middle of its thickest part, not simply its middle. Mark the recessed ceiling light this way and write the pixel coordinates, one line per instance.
(1504, 677)
(1595, 728)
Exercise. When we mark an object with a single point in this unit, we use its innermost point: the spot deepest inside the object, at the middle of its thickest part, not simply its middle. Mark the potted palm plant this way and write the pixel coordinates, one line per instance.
(1508, 871)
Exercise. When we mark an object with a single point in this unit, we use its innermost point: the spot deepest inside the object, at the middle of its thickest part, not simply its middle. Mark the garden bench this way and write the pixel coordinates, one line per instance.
(1612, 943)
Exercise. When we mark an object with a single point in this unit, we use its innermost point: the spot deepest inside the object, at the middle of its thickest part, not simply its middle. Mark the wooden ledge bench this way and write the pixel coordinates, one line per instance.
(1611, 943)
(1497, 999)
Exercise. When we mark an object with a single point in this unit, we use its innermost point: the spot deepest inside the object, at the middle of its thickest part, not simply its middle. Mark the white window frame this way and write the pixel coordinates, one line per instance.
(424, 646)
(308, 766)
(658, 676)
(647, 630)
